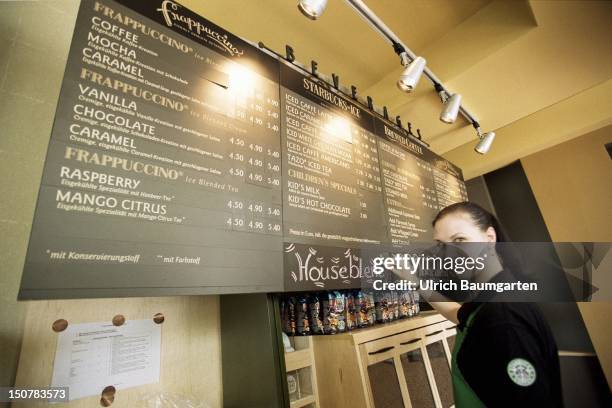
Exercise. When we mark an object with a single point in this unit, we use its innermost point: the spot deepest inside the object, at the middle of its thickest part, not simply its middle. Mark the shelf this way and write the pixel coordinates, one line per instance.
(378, 331)
(302, 402)
(301, 364)
(298, 359)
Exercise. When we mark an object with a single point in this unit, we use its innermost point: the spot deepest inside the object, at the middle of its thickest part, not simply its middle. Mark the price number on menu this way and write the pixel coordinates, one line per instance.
(273, 167)
(256, 177)
(259, 225)
(254, 207)
(235, 223)
(237, 156)
(236, 171)
(272, 102)
(273, 181)
(273, 127)
(273, 153)
(238, 141)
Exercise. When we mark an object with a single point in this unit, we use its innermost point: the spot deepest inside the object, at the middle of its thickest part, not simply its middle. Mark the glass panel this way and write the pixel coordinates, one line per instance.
(416, 379)
(293, 386)
(451, 343)
(299, 383)
(305, 381)
(441, 370)
(385, 385)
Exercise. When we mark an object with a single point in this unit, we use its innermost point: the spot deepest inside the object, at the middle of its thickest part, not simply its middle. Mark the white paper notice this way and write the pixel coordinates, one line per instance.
(92, 356)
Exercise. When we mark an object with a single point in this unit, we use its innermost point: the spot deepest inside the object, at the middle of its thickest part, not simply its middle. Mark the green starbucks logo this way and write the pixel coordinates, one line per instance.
(521, 372)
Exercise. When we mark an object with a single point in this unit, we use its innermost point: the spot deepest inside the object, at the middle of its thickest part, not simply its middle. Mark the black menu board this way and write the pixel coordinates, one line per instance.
(417, 184)
(332, 189)
(163, 170)
(353, 185)
(183, 160)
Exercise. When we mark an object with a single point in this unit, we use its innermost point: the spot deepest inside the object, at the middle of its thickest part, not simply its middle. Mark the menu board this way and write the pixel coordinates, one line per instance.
(417, 184)
(353, 185)
(183, 160)
(163, 171)
(332, 188)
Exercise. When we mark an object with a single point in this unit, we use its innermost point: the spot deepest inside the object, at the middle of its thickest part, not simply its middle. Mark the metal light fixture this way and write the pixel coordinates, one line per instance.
(451, 109)
(411, 75)
(486, 140)
(414, 65)
(312, 9)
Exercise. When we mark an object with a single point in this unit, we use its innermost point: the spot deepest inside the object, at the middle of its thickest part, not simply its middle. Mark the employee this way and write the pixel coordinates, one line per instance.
(504, 353)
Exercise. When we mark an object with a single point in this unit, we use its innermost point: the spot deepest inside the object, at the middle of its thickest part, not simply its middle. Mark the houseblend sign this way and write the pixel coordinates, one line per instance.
(183, 160)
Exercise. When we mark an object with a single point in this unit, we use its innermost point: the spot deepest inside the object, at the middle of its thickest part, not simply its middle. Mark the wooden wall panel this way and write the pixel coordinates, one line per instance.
(190, 346)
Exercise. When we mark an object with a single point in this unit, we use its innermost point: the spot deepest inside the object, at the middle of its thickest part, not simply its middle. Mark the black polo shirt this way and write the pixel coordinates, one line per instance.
(509, 357)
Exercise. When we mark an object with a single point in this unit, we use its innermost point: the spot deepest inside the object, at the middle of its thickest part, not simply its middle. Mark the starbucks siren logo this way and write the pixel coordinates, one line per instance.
(521, 372)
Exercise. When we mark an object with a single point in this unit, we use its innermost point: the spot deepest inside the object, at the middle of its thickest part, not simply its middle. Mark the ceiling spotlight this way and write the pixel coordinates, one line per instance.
(411, 75)
(312, 8)
(451, 109)
(485, 142)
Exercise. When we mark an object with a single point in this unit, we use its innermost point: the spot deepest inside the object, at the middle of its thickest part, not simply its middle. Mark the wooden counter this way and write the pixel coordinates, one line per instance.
(387, 365)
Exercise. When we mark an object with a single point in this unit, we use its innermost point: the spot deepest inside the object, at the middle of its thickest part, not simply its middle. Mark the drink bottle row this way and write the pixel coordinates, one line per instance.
(331, 312)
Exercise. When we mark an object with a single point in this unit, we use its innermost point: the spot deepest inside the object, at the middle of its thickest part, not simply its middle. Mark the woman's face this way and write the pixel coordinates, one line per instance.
(459, 227)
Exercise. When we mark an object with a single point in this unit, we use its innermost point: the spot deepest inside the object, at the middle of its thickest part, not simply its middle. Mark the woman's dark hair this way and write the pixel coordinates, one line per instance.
(481, 217)
(509, 257)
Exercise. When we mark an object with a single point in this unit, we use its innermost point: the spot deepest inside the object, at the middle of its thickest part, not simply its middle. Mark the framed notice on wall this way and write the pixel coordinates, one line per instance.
(184, 160)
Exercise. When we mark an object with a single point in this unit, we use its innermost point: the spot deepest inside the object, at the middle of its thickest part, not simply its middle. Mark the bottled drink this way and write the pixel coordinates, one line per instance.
(340, 310)
(301, 316)
(350, 311)
(287, 309)
(315, 314)
(330, 318)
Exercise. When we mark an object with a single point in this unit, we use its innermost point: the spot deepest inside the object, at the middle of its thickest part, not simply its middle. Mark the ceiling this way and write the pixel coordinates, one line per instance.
(340, 41)
(506, 57)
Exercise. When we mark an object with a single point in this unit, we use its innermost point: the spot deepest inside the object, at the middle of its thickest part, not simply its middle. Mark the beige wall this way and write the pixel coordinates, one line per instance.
(572, 185)
(34, 41)
(32, 59)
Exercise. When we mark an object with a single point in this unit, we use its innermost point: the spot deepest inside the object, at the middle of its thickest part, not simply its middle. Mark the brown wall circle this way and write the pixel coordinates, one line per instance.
(118, 320)
(108, 396)
(59, 325)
